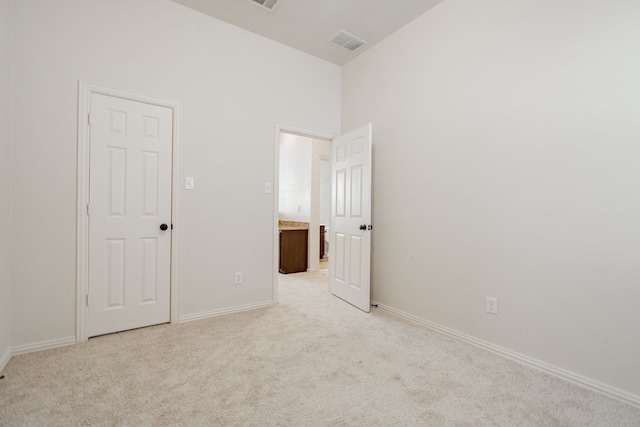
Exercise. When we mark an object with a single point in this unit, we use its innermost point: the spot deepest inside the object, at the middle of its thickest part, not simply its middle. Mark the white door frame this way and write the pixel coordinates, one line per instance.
(85, 90)
(279, 128)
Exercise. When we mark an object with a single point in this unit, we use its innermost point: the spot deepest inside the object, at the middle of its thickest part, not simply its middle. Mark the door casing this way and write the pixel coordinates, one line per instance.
(82, 243)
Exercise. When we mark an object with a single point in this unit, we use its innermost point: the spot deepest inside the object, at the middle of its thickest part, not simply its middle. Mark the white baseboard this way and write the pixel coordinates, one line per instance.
(43, 345)
(4, 359)
(223, 311)
(613, 392)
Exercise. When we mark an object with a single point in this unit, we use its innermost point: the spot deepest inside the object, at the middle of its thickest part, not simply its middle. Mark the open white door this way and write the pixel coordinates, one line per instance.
(350, 259)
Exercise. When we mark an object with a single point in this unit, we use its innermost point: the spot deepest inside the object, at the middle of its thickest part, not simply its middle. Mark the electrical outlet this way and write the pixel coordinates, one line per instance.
(491, 305)
(238, 278)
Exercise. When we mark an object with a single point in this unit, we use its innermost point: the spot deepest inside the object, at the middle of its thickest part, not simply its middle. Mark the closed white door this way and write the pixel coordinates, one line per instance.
(350, 259)
(129, 214)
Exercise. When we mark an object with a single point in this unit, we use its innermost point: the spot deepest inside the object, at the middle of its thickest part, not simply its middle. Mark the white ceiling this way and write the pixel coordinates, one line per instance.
(307, 25)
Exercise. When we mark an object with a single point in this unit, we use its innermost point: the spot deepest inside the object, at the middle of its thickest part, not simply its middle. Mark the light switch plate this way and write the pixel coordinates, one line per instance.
(188, 183)
(491, 305)
(268, 189)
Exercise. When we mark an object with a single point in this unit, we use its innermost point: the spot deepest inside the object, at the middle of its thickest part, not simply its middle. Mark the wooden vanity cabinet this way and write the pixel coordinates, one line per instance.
(322, 227)
(293, 251)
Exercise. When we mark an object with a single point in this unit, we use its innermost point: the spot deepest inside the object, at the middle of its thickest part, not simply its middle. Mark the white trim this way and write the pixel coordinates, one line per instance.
(5, 359)
(176, 195)
(572, 377)
(82, 223)
(42, 345)
(85, 90)
(280, 128)
(223, 311)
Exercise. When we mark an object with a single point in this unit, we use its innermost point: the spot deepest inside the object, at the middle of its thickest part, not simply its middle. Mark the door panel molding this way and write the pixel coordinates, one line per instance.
(85, 90)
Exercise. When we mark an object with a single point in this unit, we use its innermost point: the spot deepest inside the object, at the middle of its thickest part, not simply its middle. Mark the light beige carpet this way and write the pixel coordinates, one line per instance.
(312, 360)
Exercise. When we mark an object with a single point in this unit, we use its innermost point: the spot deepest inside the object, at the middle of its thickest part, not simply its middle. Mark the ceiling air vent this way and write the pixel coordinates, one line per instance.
(347, 41)
(265, 4)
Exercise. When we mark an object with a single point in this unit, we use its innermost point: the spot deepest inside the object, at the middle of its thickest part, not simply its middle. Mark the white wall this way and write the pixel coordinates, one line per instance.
(507, 163)
(295, 178)
(5, 187)
(233, 85)
(320, 149)
(325, 192)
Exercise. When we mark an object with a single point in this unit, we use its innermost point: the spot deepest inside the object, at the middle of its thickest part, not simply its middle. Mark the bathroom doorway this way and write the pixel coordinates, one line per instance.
(304, 197)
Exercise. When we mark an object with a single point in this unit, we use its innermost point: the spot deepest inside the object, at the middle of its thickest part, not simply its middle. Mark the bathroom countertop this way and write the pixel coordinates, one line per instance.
(292, 225)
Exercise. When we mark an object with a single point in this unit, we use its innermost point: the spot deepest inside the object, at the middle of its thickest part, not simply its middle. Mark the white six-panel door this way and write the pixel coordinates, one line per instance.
(350, 245)
(129, 200)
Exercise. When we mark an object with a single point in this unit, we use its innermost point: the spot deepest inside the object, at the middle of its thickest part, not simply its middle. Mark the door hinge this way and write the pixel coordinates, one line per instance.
(87, 300)
(88, 210)
(89, 119)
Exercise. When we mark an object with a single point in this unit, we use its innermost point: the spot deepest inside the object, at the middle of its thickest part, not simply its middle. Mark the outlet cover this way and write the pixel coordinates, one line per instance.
(238, 278)
(492, 305)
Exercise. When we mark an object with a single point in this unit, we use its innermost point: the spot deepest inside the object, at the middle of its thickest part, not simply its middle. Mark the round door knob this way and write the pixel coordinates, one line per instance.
(163, 227)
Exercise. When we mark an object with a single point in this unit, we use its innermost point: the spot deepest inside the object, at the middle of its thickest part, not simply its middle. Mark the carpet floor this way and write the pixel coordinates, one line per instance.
(311, 360)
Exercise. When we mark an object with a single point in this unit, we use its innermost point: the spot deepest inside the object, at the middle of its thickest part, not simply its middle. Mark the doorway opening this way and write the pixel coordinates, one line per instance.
(349, 271)
(302, 202)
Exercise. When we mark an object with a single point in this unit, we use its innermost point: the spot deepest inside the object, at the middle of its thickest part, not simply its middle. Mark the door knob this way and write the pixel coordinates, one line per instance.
(363, 227)
(163, 227)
